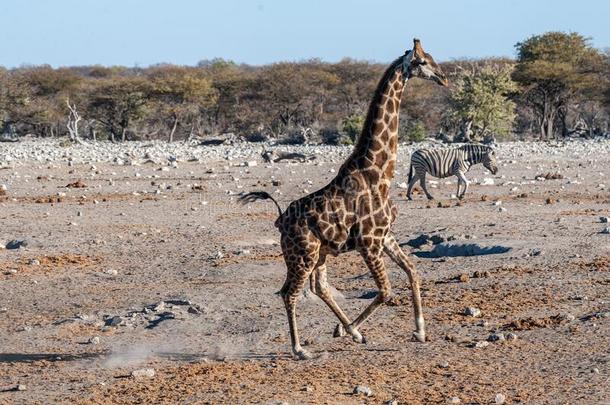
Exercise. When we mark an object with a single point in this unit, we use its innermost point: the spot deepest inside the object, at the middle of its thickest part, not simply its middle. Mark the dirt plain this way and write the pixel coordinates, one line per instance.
(193, 276)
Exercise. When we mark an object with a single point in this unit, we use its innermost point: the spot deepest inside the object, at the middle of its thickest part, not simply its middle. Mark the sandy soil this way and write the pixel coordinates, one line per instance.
(119, 247)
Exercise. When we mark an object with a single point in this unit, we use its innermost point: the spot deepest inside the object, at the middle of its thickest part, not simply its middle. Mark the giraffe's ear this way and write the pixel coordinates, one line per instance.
(417, 49)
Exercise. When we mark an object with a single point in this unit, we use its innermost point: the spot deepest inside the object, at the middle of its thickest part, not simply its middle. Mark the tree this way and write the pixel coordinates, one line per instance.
(479, 100)
(180, 93)
(552, 68)
(118, 101)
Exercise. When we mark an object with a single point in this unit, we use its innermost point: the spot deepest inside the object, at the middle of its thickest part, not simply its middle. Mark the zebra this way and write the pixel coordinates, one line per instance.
(449, 162)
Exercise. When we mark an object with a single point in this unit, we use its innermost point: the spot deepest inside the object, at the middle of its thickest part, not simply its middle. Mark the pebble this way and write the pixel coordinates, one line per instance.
(114, 321)
(500, 399)
(95, 340)
(481, 344)
(496, 337)
(17, 244)
(472, 311)
(34, 262)
(510, 336)
(362, 390)
(606, 230)
(454, 400)
(391, 402)
(112, 272)
(604, 220)
(143, 373)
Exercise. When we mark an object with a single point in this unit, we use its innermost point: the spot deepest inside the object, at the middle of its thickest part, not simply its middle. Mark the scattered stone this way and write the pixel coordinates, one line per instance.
(481, 274)
(112, 272)
(307, 388)
(17, 244)
(443, 364)
(500, 399)
(34, 262)
(114, 321)
(143, 373)
(496, 337)
(480, 344)
(606, 230)
(604, 220)
(472, 311)
(10, 272)
(391, 402)
(362, 390)
(510, 336)
(487, 181)
(484, 197)
(549, 176)
(77, 184)
(502, 209)
(550, 200)
(95, 340)
(454, 400)
(250, 163)
(464, 278)
(276, 183)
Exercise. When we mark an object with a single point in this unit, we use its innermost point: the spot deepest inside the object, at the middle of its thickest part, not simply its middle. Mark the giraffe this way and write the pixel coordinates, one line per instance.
(354, 211)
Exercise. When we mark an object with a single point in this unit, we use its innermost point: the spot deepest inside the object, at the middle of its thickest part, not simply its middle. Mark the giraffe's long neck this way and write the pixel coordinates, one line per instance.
(377, 145)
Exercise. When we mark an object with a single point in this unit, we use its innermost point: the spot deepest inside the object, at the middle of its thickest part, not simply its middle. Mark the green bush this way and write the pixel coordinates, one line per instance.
(416, 131)
(352, 126)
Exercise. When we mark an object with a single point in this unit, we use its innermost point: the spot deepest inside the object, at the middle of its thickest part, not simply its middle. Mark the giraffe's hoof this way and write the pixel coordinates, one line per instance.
(430, 198)
(302, 354)
(339, 331)
(420, 336)
(356, 336)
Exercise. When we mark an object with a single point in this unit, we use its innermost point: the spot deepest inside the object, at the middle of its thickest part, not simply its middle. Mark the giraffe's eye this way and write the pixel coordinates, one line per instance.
(423, 62)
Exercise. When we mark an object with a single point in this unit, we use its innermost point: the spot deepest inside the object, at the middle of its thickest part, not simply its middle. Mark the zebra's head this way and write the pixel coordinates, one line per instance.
(489, 161)
(417, 63)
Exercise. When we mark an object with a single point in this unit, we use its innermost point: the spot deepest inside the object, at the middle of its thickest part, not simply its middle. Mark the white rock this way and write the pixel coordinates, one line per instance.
(143, 373)
(362, 389)
(500, 399)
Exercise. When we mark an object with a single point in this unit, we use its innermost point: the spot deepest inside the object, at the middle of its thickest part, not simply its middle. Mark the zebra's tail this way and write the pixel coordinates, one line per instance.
(258, 195)
(410, 173)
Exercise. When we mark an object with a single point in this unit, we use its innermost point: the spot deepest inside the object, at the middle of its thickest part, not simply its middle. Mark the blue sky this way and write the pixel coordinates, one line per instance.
(144, 32)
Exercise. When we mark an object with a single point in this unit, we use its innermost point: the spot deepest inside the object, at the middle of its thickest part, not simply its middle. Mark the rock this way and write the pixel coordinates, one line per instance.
(510, 336)
(500, 399)
(481, 274)
(143, 373)
(443, 364)
(111, 272)
(362, 390)
(470, 249)
(34, 262)
(454, 400)
(276, 183)
(250, 163)
(604, 220)
(606, 230)
(496, 337)
(307, 388)
(464, 278)
(391, 402)
(17, 244)
(481, 344)
(114, 321)
(403, 185)
(472, 311)
(487, 181)
(502, 209)
(95, 340)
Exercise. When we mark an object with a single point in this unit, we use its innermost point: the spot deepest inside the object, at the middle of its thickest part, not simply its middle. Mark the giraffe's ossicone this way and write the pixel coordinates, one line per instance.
(354, 211)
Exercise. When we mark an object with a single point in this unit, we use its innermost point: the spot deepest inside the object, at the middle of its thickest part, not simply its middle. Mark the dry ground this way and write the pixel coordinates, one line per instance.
(552, 289)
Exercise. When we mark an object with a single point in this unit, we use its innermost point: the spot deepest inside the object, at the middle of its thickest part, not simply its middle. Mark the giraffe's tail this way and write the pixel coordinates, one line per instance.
(259, 195)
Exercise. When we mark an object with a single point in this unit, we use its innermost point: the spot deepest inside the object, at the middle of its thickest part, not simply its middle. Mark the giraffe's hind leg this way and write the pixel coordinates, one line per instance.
(377, 268)
(320, 286)
(393, 250)
(300, 262)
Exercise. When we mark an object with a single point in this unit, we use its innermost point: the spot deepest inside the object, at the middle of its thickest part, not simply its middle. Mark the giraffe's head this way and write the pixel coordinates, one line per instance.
(489, 161)
(417, 63)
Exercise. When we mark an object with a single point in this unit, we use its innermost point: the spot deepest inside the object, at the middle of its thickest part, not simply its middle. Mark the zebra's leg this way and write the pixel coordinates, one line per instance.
(463, 179)
(411, 184)
(422, 183)
(459, 184)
